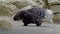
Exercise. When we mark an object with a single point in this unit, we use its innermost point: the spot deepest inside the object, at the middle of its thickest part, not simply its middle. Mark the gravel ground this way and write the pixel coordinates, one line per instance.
(45, 28)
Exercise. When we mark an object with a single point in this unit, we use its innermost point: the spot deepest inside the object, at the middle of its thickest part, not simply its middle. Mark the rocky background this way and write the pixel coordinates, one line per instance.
(9, 7)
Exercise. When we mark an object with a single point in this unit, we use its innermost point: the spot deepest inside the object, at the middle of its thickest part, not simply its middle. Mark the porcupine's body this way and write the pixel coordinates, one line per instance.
(33, 15)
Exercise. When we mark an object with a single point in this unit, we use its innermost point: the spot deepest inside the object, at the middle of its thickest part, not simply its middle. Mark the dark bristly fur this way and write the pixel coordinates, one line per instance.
(33, 15)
